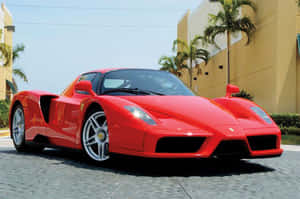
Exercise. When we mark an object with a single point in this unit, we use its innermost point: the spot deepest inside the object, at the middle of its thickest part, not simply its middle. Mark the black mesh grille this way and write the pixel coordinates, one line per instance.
(265, 142)
(179, 144)
(232, 148)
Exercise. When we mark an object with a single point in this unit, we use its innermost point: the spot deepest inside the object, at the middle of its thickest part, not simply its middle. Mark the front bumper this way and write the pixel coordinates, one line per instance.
(211, 146)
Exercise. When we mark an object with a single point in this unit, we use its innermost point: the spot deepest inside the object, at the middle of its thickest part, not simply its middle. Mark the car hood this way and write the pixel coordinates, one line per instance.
(193, 110)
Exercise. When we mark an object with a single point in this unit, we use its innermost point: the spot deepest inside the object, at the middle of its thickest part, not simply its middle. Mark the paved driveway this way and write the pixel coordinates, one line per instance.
(65, 174)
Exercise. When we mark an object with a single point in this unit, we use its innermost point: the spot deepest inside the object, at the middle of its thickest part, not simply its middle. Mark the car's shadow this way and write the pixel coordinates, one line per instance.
(152, 167)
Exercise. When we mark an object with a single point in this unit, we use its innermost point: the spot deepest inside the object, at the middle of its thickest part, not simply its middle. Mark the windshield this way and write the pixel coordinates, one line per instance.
(143, 82)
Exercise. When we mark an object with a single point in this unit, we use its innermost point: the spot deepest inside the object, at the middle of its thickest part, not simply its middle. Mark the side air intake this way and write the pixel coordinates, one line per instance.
(45, 102)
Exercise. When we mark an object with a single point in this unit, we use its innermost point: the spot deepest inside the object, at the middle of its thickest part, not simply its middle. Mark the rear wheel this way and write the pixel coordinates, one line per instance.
(18, 131)
(95, 137)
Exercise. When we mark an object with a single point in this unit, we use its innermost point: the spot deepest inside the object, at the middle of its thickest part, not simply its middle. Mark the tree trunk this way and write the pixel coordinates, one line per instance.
(228, 56)
(191, 74)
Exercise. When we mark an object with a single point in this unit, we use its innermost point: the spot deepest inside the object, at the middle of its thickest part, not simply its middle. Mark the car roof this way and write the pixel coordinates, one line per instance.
(105, 70)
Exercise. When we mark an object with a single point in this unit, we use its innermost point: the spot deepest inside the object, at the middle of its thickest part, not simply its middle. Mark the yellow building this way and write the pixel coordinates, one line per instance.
(7, 28)
(268, 68)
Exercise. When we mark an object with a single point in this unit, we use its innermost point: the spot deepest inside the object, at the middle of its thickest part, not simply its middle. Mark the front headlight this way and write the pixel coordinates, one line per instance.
(139, 113)
(262, 114)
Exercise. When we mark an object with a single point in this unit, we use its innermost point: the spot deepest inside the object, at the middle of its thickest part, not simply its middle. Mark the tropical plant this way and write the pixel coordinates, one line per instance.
(172, 64)
(19, 48)
(228, 21)
(5, 52)
(4, 109)
(18, 72)
(191, 54)
(5, 55)
(244, 94)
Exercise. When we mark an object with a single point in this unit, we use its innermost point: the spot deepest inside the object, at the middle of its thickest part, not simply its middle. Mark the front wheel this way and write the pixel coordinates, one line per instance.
(95, 137)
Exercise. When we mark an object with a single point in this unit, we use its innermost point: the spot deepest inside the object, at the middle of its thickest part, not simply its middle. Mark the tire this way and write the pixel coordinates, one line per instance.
(95, 137)
(18, 131)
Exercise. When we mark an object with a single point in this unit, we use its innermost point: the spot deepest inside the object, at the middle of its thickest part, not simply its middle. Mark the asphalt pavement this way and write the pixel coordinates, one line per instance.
(66, 174)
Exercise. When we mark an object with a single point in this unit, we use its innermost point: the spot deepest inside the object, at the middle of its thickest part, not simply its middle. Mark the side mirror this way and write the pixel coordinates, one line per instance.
(231, 89)
(85, 86)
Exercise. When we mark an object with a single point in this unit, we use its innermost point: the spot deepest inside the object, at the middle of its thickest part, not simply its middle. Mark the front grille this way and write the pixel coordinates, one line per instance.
(232, 148)
(265, 142)
(179, 144)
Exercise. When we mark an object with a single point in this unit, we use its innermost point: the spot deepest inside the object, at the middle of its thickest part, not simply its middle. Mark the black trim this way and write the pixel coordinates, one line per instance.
(232, 148)
(179, 144)
(262, 142)
(45, 102)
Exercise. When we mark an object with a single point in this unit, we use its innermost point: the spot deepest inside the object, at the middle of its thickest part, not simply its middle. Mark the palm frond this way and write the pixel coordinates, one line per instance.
(196, 40)
(184, 66)
(20, 73)
(245, 25)
(11, 86)
(181, 43)
(163, 60)
(218, 18)
(171, 64)
(218, 1)
(212, 31)
(17, 50)
(240, 3)
(5, 53)
(180, 60)
(165, 68)
(15, 84)
(202, 54)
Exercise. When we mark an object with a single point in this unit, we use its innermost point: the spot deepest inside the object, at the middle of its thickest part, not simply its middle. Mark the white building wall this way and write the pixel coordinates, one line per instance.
(2, 26)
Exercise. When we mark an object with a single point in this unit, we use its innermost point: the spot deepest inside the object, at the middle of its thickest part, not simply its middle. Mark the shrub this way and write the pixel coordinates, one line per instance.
(287, 119)
(4, 112)
(244, 94)
(290, 131)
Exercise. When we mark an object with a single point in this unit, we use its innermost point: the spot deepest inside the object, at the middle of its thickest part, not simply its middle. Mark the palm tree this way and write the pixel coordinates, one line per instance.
(5, 55)
(172, 64)
(228, 21)
(5, 52)
(190, 53)
(18, 72)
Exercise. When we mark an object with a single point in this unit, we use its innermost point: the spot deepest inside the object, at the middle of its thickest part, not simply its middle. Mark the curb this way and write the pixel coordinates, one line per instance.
(291, 147)
(4, 133)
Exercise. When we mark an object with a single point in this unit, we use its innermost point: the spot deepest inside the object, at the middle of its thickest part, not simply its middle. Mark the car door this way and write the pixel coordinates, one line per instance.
(65, 114)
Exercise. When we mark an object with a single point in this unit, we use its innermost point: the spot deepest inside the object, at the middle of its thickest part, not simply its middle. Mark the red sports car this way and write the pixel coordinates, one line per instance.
(142, 112)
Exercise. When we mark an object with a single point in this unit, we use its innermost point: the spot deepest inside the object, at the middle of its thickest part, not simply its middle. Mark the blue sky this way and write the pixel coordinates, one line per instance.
(63, 40)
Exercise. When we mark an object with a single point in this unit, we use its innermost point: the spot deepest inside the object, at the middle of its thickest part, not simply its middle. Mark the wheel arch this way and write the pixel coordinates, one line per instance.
(87, 110)
(13, 106)
(92, 106)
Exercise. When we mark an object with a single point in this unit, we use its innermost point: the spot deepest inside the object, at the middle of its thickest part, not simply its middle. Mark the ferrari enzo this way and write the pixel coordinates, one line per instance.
(141, 112)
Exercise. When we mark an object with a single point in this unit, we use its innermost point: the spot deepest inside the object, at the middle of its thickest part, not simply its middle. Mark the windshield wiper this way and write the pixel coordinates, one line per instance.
(132, 90)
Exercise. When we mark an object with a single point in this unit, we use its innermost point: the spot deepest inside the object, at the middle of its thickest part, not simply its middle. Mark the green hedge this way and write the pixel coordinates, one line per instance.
(4, 112)
(287, 119)
(290, 131)
(289, 123)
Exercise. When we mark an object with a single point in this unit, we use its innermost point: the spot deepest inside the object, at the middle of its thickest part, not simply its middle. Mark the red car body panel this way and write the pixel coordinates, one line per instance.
(216, 120)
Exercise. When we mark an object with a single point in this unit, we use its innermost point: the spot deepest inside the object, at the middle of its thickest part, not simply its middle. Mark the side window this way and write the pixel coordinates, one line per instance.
(90, 77)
